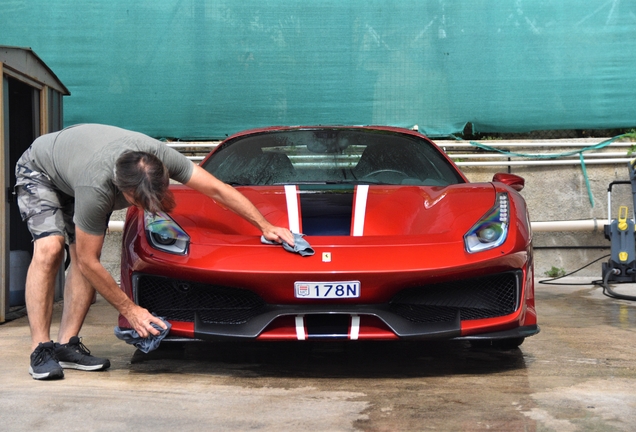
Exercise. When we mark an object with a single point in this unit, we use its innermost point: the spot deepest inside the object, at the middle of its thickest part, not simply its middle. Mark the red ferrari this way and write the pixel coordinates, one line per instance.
(405, 247)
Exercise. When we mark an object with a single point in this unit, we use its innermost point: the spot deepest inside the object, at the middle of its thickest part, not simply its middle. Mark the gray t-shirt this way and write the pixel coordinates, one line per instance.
(80, 161)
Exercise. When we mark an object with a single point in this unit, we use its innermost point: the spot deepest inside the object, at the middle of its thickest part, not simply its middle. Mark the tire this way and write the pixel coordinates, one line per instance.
(171, 346)
(510, 343)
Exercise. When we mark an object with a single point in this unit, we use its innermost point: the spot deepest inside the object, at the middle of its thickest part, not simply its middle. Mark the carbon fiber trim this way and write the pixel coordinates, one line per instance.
(400, 326)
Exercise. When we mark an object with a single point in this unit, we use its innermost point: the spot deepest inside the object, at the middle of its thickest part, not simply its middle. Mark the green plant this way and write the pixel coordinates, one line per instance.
(555, 272)
(630, 136)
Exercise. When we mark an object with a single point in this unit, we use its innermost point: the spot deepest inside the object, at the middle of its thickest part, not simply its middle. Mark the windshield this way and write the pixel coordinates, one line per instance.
(331, 156)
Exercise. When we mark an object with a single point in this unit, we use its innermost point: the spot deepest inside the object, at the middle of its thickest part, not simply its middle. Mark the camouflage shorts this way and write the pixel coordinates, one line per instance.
(46, 210)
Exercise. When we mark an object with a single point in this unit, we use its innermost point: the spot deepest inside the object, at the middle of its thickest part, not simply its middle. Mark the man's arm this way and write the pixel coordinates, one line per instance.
(229, 197)
(88, 248)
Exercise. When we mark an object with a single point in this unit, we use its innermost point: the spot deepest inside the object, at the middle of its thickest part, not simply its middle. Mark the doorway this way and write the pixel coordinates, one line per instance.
(24, 108)
(22, 126)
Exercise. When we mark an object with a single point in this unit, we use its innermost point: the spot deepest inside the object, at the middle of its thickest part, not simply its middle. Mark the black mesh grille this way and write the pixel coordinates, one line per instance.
(179, 300)
(485, 297)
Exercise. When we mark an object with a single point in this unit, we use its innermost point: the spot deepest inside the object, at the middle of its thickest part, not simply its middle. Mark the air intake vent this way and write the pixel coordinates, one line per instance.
(178, 300)
(484, 297)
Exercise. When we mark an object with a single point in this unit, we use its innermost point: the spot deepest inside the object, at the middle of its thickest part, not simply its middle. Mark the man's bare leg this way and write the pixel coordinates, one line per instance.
(48, 253)
(78, 295)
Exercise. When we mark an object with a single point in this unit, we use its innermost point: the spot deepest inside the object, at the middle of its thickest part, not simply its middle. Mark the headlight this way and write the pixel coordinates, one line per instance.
(491, 231)
(164, 234)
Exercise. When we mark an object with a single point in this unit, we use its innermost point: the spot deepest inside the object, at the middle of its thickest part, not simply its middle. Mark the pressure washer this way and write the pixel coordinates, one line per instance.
(621, 267)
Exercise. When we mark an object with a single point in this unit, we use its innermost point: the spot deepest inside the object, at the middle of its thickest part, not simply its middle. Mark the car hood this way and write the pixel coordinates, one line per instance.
(343, 214)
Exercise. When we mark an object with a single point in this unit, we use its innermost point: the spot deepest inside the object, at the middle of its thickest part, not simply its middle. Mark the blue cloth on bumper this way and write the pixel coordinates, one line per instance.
(130, 336)
(301, 246)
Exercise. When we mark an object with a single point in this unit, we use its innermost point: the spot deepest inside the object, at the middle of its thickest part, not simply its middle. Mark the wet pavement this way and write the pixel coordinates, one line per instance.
(578, 374)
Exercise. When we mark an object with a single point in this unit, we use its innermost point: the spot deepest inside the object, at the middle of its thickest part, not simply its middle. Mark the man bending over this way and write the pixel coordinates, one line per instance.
(68, 184)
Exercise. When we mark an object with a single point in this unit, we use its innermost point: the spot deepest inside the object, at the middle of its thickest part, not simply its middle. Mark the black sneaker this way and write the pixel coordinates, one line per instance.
(44, 364)
(74, 355)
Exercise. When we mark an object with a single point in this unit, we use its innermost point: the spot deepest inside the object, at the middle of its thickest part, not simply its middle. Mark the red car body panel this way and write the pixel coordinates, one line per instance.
(406, 235)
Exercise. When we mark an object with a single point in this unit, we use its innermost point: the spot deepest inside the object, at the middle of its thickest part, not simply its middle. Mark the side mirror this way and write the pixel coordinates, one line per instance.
(512, 180)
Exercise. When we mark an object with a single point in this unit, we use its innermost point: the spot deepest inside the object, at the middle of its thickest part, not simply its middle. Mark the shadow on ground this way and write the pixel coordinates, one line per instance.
(327, 359)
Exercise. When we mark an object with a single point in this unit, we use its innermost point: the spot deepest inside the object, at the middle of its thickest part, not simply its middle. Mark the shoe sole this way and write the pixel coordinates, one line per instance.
(67, 365)
(55, 374)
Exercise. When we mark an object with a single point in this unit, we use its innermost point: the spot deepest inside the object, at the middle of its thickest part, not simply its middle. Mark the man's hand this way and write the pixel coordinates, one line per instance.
(140, 320)
(279, 234)
(88, 249)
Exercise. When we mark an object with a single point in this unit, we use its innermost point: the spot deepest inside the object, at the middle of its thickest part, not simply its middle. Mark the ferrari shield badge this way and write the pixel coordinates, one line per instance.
(302, 290)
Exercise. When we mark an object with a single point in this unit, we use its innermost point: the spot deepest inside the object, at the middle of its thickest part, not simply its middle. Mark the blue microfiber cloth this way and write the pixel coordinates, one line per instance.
(301, 246)
(145, 345)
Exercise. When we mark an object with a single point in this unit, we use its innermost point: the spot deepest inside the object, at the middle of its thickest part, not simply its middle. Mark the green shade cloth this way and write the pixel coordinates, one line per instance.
(209, 68)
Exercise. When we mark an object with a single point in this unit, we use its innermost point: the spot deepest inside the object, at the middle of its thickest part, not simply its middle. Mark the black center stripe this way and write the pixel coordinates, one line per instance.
(326, 210)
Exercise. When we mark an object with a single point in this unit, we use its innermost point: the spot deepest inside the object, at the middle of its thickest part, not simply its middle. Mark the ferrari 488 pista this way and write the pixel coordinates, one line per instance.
(405, 246)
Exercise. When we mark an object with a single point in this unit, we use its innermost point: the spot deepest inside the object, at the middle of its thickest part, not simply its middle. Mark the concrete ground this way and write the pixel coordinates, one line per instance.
(579, 373)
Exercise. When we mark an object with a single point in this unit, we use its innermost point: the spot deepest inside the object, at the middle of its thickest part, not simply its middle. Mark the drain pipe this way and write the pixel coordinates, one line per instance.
(115, 226)
(590, 225)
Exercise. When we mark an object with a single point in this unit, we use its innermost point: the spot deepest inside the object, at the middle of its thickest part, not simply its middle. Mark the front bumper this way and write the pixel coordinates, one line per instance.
(436, 311)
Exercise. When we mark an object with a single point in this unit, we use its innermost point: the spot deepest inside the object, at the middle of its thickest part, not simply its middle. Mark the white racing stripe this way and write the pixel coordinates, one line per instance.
(300, 327)
(292, 208)
(359, 209)
(355, 327)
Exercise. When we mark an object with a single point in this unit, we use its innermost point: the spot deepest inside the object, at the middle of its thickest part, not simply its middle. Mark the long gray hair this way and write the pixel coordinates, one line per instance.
(146, 179)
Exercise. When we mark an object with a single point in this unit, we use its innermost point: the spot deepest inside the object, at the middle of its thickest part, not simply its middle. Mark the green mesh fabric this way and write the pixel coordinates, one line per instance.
(205, 69)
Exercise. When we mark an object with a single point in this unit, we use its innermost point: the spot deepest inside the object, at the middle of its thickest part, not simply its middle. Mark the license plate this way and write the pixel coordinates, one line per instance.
(327, 290)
